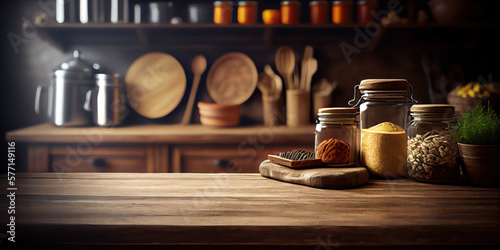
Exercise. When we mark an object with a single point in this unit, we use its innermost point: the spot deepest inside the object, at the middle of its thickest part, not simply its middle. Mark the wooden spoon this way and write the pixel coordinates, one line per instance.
(312, 67)
(278, 84)
(265, 84)
(285, 64)
(308, 54)
(198, 65)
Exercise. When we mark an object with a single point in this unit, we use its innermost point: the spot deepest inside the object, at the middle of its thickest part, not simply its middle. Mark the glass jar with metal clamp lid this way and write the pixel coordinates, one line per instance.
(337, 136)
(384, 107)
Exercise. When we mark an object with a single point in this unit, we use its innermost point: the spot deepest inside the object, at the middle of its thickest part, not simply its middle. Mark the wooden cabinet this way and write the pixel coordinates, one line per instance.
(157, 148)
(224, 159)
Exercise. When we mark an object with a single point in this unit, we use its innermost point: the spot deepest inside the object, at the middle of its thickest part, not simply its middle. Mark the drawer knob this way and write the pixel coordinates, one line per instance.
(223, 163)
(99, 162)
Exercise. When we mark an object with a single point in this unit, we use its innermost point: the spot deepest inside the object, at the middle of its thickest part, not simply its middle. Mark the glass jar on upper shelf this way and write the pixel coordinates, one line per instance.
(223, 12)
(247, 12)
(339, 127)
(342, 11)
(318, 12)
(290, 12)
(432, 150)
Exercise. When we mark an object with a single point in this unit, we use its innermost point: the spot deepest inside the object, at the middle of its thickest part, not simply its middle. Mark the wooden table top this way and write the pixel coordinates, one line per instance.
(174, 133)
(247, 209)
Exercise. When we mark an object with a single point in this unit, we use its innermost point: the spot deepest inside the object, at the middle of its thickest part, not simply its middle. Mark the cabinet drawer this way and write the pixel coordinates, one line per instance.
(222, 159)
(99, 159)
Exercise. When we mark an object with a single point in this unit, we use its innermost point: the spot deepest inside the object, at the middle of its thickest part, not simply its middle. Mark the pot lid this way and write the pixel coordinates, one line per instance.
(77, 64)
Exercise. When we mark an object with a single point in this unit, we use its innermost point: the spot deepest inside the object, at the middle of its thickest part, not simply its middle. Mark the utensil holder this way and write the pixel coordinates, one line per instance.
(271, 111)
(320, 100)
(298, 107)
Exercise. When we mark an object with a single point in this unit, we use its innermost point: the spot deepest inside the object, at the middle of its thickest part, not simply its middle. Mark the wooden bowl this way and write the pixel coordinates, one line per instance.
(480, 164)
(217, 115)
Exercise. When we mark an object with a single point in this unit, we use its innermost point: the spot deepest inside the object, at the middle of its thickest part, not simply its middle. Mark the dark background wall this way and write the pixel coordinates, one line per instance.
(455, 55)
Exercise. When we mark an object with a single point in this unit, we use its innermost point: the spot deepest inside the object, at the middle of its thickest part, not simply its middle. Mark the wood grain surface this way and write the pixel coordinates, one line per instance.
(232, 79)
(248, 136)
(335, 178)
(155, 84)
(247, 209)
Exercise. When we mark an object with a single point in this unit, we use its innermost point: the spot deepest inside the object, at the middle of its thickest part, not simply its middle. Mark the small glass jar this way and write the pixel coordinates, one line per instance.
(247, 12)
(290, 12)
(271, 16)
(318, 12)
(365, 9)
(340, 124)
(432, 149)
(223, 11)
(342, 12)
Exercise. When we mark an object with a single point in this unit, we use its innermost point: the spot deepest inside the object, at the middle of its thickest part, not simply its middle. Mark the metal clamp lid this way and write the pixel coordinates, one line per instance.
(391, 87)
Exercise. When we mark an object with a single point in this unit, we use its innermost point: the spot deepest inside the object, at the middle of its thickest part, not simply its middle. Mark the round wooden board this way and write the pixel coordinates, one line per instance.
(155, 84)
(232, 79)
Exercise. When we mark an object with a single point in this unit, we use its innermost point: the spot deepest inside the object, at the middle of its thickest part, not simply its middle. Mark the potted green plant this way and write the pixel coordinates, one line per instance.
(478, 137)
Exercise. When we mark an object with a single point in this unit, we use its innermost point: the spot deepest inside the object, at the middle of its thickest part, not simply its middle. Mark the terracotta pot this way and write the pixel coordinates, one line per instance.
(217, 115)
(480, 163)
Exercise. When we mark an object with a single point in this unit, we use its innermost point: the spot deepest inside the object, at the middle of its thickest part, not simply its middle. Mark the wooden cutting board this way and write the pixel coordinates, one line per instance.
(334, 178)
(155, 84)
(232, 79)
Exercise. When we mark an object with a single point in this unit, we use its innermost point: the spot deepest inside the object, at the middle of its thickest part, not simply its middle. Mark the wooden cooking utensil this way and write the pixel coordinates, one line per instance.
(265, 84)
(232, 79)
(198, 65)
(285, 64)
(276, 80)
(155, 84)
(308, 54)
(312, 67)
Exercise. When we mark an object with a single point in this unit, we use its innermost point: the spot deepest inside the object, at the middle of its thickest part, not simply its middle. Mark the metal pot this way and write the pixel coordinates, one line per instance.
(69, 92)
(108, 100)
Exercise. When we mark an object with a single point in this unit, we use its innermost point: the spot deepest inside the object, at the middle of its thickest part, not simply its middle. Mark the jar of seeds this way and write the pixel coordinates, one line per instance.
(432, 150)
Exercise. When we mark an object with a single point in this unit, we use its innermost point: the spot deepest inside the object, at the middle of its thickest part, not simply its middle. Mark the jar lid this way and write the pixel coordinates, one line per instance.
(384, 84)
(433, 111)
(223, 3)
(341, 2)
(337, 115)
(338, 110)
(290, 2)
(366, 1)
(432, 108)
(245, 3)
(318, 3)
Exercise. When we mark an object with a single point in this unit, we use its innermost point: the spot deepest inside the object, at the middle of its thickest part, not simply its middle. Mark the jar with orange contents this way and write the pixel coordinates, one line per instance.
(342, 11)
(318, 12)
(290, 12)
(271, 16)
(247, 12)
(223, 11)
(366, 8)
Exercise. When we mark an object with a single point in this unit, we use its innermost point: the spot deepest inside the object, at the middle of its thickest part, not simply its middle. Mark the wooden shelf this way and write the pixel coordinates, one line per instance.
(149, 34)
(48, 133)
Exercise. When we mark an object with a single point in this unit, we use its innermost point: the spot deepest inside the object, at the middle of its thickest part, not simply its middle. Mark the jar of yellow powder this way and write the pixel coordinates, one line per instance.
(384, 107)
